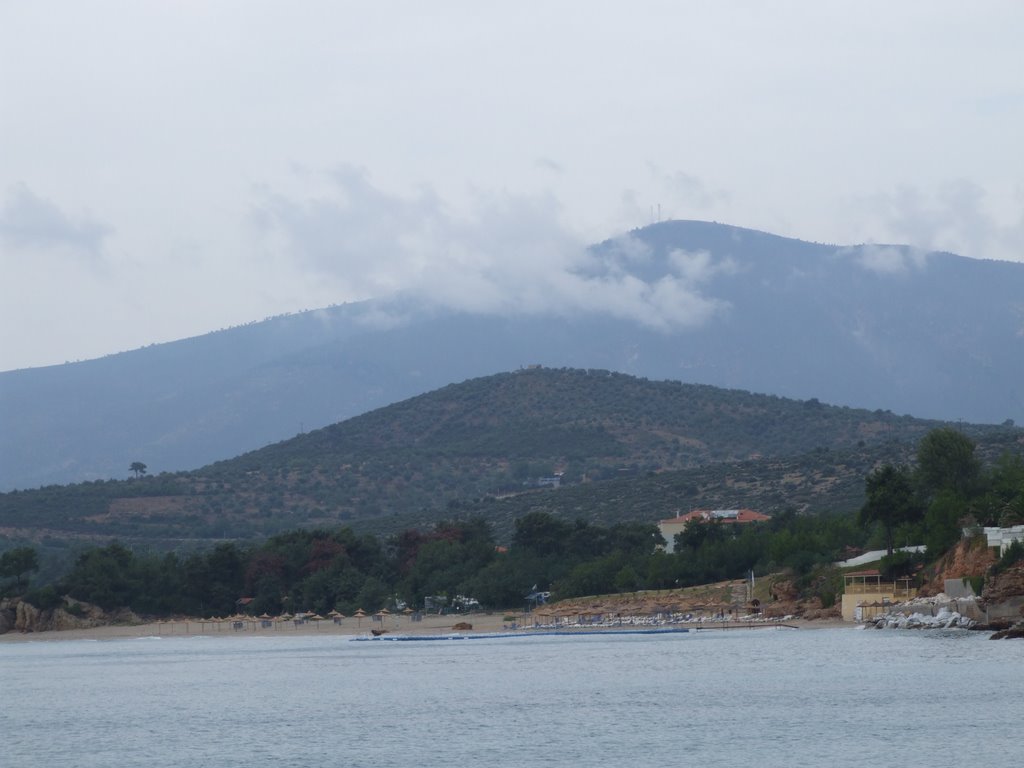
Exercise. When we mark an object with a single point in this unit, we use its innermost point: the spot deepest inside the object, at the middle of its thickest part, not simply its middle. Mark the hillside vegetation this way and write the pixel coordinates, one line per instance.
(627, 449)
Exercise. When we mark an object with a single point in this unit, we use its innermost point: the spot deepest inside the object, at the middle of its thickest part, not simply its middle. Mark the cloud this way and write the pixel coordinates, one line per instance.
(549, 165)
(699, 266)
(955, 218)
(686, 192)
(503, 254)
(886, 259)
(31, 222)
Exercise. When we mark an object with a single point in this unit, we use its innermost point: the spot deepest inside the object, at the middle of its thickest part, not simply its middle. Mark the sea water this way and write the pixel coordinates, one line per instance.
(767, 697)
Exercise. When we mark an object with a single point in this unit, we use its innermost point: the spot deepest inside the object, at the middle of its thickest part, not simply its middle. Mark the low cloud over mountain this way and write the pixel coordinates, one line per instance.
(883, 327)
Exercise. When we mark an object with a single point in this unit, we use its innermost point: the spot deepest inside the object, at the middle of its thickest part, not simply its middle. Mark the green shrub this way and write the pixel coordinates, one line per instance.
(44, 598)
(977, 583)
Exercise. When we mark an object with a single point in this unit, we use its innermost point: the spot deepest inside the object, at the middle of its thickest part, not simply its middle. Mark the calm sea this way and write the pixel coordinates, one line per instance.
(828, 697)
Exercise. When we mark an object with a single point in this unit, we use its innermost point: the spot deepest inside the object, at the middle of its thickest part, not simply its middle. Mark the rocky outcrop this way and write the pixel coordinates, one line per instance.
(7, 615)
(787, 600)
(969, 559)
(1016, 632)
(812, 610)
(17, 615)
(1004, 586)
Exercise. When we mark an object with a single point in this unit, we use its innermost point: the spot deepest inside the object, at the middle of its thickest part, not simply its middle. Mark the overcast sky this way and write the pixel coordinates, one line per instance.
(170, 168)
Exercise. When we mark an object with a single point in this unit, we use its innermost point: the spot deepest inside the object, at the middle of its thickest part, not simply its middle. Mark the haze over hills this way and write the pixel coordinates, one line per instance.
(625, 449)
(880, 327)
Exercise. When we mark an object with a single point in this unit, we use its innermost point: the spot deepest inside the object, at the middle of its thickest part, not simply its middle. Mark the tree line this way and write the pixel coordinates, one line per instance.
(947, 491)
(324, 569)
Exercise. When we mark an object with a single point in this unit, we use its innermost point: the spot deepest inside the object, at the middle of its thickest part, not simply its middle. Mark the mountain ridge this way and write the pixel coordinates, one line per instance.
(871, 326)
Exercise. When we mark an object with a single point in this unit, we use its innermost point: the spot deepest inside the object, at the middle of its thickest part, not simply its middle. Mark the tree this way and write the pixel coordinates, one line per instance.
(942, 522)
(950, 478)
(138, 468)
(891, 500)
(105, 576)
(698, 532)
(541, 533)
(1004, 503)
(946, 462)
(18, 562)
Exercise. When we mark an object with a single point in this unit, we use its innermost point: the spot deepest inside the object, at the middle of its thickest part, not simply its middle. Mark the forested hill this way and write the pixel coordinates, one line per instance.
(419, 460)
(586, 423)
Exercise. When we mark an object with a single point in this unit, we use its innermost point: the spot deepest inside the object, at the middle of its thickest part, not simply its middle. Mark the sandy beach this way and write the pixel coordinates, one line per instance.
(349, 626)
(228, 628)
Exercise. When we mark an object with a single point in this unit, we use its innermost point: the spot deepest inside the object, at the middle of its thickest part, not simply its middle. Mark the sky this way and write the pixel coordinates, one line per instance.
(172, 168)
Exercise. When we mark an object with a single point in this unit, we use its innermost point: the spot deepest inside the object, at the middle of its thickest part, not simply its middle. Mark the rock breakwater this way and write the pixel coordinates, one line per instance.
(944, 619)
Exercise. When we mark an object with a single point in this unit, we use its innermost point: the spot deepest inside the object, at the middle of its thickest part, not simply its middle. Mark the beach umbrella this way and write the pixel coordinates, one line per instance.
(360, 614)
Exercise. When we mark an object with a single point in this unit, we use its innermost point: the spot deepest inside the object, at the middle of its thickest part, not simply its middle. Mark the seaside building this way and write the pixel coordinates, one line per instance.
(675, 525)
(866, 594)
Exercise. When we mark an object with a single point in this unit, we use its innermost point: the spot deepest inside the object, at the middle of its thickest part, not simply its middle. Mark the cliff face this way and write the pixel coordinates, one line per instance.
(1005, 586)
(970, 559)
(18, 616)
(1003, 598)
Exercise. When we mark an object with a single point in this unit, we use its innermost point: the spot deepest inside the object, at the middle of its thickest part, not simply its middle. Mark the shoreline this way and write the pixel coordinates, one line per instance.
(350, 627)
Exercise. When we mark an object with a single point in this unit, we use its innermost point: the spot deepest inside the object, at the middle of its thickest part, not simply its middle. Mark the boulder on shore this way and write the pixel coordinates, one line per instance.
(944, 619)
(1016, 632)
